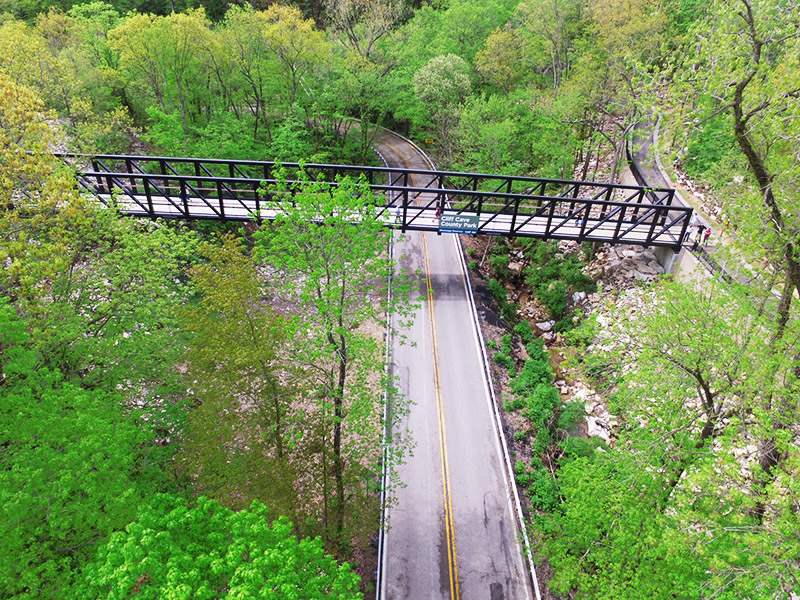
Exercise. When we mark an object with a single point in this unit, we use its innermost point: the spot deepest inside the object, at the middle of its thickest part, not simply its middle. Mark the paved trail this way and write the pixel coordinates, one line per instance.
(453, 531)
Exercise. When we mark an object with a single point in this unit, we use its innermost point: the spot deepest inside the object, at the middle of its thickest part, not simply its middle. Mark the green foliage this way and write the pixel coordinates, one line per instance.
(499, 264)
(508, 310)
(68, 465)
(642, 554)
(582, 335)
(504, 360)
(338, 274)
(166, 132)
(505, 342)
(524, 331)
(553, 296)
(536, 351)
(208, 551)
(683, 13)
(712, 152)
(579, 447)
(571, 413)
(515, 404)
(543, 490)
(540, 406)
(240, 441)
(533, 373)
(473, 265)
(497, 290)
(501, 134)
(554, 277)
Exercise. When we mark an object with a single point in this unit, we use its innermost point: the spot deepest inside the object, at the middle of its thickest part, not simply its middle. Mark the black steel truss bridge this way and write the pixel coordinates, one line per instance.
(408, 199)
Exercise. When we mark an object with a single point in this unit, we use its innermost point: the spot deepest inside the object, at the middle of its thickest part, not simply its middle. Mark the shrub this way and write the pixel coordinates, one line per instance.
(521, 474)
(504, 360)
(524, 331)
(506, 343)
(536, 350)
(541, 404)
(509, 311)
(500, 265)
(578, 447)
(534, 372)
(710, 147)
(497, 290)
(582, 335)
(473, 265)
(543, 491)
(571, 413)
(514, 404)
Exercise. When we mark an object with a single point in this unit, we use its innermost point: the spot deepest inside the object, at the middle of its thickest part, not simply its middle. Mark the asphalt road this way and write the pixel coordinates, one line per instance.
(452, 528)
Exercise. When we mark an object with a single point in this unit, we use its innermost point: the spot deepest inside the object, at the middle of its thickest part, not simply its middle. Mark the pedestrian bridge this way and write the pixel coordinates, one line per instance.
(408, 199)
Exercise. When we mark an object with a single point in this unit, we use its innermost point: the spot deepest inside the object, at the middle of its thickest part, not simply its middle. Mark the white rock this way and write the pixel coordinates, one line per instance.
(546, 325)
(578, 297)
(598, 428)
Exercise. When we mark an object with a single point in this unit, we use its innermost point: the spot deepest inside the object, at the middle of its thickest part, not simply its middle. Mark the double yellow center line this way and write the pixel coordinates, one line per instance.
(452, 562)
(455, 590)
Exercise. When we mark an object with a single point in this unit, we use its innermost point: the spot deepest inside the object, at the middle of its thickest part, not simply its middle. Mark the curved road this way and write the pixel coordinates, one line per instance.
(452, 532)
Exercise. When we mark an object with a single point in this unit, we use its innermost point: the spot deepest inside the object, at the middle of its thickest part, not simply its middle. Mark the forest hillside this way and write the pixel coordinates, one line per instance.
(209, 398)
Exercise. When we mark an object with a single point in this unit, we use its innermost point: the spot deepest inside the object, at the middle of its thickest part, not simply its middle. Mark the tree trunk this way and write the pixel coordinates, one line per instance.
(183, 105)
(769, 457)
(338, 414)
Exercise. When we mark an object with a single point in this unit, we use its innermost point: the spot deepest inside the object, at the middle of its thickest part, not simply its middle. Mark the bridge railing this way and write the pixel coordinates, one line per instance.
(450, 180)
(406, 198)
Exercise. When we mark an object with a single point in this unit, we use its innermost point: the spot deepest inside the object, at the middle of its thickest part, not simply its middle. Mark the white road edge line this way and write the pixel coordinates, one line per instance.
(379, 578)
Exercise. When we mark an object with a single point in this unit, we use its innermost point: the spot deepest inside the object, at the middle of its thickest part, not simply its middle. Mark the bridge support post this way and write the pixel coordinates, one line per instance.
(666, 257)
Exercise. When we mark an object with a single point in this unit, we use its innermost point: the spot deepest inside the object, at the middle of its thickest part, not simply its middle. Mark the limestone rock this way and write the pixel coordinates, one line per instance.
(546, 325)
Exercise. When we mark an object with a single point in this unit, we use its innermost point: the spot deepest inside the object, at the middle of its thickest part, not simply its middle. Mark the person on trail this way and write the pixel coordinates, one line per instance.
(706, 235)
(698, 237)
(693, 223)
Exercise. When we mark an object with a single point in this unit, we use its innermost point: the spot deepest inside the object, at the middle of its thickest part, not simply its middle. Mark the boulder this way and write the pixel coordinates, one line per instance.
(515, 268)
(546, 325)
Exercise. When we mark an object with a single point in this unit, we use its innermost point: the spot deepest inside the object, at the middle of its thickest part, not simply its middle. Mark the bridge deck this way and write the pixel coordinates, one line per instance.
(416, 218)
(511, 206)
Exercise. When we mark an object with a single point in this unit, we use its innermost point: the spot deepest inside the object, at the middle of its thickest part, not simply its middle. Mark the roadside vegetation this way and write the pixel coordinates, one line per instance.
(156, 372)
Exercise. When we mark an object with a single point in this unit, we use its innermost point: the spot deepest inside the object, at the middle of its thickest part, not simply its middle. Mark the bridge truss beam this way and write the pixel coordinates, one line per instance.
(409, 199)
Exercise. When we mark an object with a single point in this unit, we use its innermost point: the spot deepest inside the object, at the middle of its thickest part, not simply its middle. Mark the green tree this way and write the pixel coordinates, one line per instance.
(336, 275)
(253, 66)
(671, 506)
(241, 436)
(161, 58)
(32, 181)
(500, 60)
(361, 23)
(180, 549)
(67, 469)
(300, 48)
(740, 64)
(443, 85)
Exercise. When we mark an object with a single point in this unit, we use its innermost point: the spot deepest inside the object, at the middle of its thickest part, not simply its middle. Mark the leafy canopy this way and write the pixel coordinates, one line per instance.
(181, 550)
